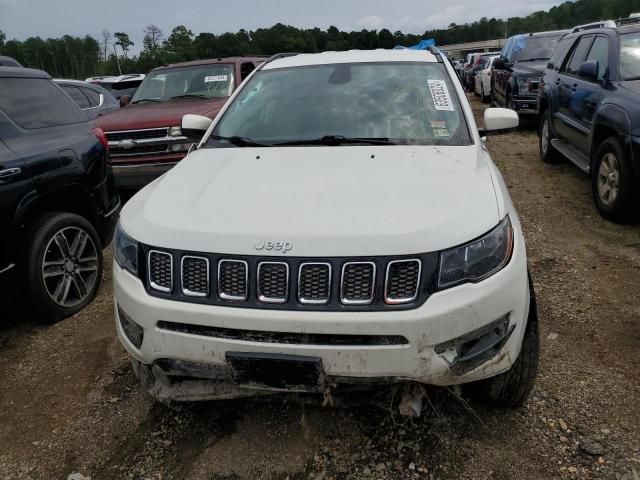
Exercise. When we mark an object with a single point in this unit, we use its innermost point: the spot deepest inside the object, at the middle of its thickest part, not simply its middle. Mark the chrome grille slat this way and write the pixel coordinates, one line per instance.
(273, 282)
(137, 134)
(233, 279)
(357, 283)
(402, 281)
(195, 276)
(314, 283)
(160, 271)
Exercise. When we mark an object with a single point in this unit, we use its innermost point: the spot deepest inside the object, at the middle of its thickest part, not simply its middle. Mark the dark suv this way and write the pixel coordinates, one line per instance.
(590, 105)
(58, 203)
(516, 74)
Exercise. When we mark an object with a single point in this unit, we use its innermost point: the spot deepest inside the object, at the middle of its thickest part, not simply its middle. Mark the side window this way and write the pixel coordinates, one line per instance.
(560, 52)
(600, 52)
(245, 69)
(94, 97)
(578, 56)
(81, 100)
(30, 101)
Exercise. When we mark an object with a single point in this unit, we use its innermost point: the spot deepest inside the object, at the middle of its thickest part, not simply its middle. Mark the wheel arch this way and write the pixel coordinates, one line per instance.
(73, 198)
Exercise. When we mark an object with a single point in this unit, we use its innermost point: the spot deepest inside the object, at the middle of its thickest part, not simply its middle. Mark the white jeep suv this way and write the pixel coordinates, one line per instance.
(340, 224)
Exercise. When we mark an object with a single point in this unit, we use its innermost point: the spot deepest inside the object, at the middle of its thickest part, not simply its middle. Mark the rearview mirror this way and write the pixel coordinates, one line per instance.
(498, 121)
(124, 100)
(589, 70)
(195, 126)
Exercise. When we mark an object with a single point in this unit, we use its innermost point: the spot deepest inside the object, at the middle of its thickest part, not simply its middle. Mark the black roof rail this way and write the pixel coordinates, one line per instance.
(633, 18)
(434, 50)
(276, 57)
(590, 26)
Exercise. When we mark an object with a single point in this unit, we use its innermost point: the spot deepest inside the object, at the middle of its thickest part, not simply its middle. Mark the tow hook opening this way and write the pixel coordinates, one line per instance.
(465, 353)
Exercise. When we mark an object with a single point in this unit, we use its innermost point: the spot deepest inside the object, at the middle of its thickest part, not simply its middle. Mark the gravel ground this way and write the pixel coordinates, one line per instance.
(70, 407)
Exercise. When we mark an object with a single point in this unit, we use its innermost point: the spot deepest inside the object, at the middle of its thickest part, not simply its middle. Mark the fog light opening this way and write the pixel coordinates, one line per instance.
(465, 353)
(133, 331)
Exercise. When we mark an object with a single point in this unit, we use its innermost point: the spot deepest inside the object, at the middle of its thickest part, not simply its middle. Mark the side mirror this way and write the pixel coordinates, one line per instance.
(499, 63)
(498, 121)
(195, 126)
(124, 100)
(589, 70)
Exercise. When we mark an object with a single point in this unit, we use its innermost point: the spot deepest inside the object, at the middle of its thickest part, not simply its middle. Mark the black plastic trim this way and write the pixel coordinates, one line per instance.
(428, 281)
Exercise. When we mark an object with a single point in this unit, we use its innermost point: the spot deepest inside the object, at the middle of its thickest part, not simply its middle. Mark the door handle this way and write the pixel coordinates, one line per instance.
(9, 172)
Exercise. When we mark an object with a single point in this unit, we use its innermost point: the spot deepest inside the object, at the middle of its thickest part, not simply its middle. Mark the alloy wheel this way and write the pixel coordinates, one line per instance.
(70, 267)
(544, 136)
(608, 179)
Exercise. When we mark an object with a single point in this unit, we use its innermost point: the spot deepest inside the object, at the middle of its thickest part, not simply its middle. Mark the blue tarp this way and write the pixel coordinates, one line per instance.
(423, 45)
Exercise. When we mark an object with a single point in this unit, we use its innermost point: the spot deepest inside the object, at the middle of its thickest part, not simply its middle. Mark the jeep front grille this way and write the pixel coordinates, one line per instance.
(291, 283)
(357, 285)
(233, 279)
(160, 271)
(314, 283)
(273, 282)
(195, 276)
(402, 281)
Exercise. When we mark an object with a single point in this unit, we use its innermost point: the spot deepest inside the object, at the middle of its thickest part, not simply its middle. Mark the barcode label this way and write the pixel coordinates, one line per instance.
(440, 95)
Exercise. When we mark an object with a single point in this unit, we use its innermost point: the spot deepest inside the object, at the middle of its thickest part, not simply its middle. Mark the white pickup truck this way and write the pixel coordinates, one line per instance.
(340, 224)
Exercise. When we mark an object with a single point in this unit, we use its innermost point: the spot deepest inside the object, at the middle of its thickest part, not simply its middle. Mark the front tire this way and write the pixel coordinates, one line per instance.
(548, 154)
(512, 388)
(612, 183)
(64, 265)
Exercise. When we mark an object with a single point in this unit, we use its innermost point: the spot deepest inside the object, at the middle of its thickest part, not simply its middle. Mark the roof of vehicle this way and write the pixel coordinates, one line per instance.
(69, 81)
(116, 78)
(550, 33)
(210, 61)
(352, 56)
(19, 72)
(9, 62)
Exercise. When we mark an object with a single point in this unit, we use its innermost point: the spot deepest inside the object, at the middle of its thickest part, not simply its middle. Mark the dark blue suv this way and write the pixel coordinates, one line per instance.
(589, 102)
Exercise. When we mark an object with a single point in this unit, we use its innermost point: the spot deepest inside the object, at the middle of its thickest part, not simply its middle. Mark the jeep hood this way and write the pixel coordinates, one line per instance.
(325, 201)
(155, 115)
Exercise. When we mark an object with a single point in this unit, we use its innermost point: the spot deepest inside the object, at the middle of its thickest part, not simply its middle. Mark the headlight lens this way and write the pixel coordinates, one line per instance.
(125, 251)
(524, 84)
(175, 131)
(479, 259)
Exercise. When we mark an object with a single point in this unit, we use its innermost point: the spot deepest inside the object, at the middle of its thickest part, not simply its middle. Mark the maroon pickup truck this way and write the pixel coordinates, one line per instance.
(145, 139)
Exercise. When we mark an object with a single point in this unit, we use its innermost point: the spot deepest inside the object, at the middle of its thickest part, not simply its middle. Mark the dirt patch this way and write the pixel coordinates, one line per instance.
(70, 403)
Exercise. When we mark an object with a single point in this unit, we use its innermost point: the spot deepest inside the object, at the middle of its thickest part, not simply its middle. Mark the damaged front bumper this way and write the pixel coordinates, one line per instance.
(188, 352)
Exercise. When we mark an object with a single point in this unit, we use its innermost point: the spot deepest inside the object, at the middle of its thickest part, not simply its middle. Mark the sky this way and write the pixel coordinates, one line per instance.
(21, 19)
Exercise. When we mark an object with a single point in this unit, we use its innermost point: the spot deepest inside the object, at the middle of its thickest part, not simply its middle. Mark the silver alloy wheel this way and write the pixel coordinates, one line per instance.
(608, 179)
(544, 136)
(70, 267)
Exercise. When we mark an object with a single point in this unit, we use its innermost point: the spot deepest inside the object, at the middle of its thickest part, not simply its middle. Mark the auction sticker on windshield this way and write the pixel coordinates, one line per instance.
(440, 95)
(215, 78)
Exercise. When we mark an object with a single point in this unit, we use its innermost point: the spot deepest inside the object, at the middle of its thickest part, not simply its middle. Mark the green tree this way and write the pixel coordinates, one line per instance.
(180, 44)
(124, 42)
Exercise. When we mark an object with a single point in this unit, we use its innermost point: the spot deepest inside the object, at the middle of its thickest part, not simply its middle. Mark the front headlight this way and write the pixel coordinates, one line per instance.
(125, 250)
(479, 259)
(524, 84)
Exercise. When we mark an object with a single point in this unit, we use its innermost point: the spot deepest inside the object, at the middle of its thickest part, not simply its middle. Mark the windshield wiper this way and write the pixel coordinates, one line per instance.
(239, 141)
(188, 95)
(335, 140)
(533, 59)
(147, 100)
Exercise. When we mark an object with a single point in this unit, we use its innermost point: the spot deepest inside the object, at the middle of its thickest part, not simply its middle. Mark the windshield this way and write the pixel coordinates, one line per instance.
(630, 56)
(200, 81)
(400, 103)
(534, 48)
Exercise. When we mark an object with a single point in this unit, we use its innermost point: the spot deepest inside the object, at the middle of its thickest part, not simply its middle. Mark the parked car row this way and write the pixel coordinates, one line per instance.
(582, 87)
